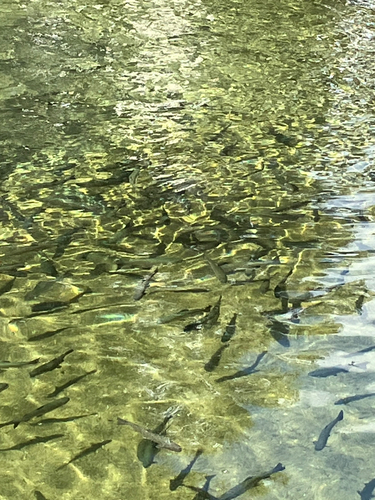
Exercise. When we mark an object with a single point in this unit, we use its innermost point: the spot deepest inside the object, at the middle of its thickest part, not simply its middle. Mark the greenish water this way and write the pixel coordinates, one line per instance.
(184, 136)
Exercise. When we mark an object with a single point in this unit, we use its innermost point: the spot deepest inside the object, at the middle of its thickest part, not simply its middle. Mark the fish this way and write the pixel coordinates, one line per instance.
(87, 451)
(36, 440)
(243, 373)
(51, 365)
(281, 293)
(367, 492)
(62, 419)
(3, 386)
(39, 495)
(44, 307)
(7, 286)
(215, 359)
(38, 412)
(202, 493)
(217, 270)
(210, 319)
(350, 399)
(147, 449)
(63, 241)
(332, 371)
(230, 330)
(179, 479)
(279, 332)
(249, 482)
(265, 286)
(182, 314)
(162, 441)
(141, 288)
(17, 364)
(324, 435)
(62, 387)
(46, 335)
(359, 303)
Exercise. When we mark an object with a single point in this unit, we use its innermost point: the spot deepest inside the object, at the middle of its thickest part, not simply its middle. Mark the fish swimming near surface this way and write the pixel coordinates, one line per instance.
(331, 371)
(350, 399)
(208, 320)
(230, 330)
(46, 335)
(141, 288)
(161, 441)
(279, 332)
(147, 449)
(87, 451)
(36, 440)
(51, 365)
(217, 270)
(324, 435)
(179, 479)
(3, 386)
(38, 412)
(202, 493)
(182, 314)
(215, 359)
(17, 364)
(39, 495)
(249, 482)
(247, 371)
(367, 492)
(62, 387)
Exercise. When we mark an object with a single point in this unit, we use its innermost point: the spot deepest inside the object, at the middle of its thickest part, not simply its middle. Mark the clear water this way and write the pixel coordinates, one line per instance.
(142, 134)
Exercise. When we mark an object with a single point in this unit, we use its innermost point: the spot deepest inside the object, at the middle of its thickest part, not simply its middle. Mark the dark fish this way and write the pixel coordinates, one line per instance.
(36, 440)
(350, 399)
(162, 441)
(44, 307)
(220, 133)
(179, 479)
(332, 371)
(147, 449)
(265, 286)
(39, 495)
(210, 319)
(202, 493)
(17, 364)
(63, 242)
(38, 412)
(215, 359)
(217, 270)
(324, 435)
(3, 386)
(63, 419)
(48, 267)
(7, 286)
(249, 482)
(141, 288)
(359, 303)
(367, 492)
(279, 332)
(62, 387)
(281, 293)
(230, 329)
(51, 365)
(46, 335)
(182, 314)
(87, 451)
(243, 373)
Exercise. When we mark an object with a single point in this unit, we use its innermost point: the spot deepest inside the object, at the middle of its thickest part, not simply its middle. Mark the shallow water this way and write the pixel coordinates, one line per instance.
(143, 135)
